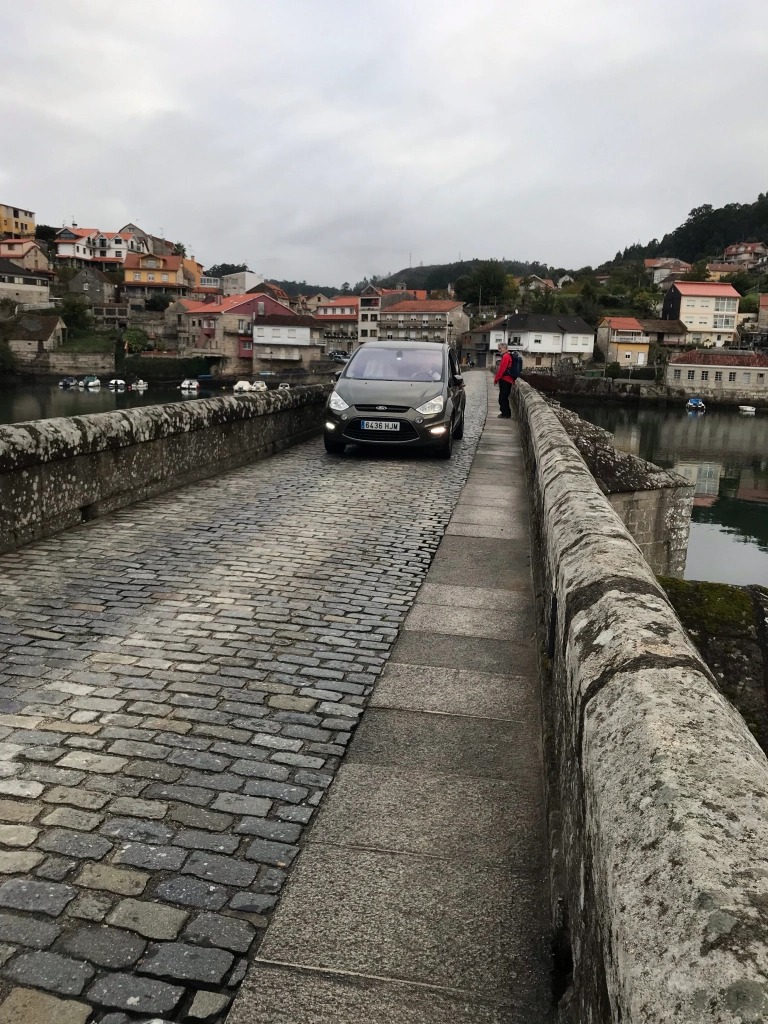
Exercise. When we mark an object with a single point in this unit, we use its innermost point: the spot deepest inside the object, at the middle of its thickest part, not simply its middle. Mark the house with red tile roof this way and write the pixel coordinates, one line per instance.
(707, 308)
(78, 247)
(746, 254)
(666, 269)
(338, 319)
(623, 340)
(25, 252)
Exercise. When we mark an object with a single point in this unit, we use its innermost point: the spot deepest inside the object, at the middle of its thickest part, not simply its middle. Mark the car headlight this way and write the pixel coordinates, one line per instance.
(432, 406)
(336, 402)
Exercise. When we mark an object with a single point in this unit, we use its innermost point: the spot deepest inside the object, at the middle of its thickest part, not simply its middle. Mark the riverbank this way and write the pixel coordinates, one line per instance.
(644, 392)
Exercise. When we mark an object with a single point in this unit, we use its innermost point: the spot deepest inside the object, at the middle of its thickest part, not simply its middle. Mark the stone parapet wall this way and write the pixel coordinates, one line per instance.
(658, 793)
(59, 472)
(62, 364)
(654, 504)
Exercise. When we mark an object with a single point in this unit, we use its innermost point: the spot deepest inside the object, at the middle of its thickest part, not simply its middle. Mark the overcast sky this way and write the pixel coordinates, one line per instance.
(329, 139)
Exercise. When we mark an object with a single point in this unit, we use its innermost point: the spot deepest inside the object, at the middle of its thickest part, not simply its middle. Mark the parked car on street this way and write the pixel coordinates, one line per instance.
(338, 356)
(392, 392)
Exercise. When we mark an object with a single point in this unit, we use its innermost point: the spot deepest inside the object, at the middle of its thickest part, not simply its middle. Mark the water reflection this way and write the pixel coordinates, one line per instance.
(43, 401)
(724, 454)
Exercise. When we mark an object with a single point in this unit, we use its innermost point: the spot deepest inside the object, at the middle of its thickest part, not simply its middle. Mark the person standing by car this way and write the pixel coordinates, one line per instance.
(506, 375)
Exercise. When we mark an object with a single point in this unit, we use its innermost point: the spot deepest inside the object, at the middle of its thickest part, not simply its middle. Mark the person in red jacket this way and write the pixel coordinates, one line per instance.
(505, 378)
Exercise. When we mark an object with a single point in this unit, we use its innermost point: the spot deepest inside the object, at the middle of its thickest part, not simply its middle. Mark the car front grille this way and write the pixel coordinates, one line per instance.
(382, 408)
(407, 432)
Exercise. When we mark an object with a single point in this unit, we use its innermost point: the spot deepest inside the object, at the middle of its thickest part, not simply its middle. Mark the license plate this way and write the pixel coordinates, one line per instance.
(379, 425)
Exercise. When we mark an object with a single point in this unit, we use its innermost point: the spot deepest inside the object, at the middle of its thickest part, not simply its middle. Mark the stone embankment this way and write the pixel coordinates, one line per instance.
(658, 793)
(636, 390)
(60, 472)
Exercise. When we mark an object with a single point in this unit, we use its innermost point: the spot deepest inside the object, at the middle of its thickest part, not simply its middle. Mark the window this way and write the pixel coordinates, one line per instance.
(731, 377)
(401, 334)
(696, 338)
(241, 326)
(247, 346)
(724, 321)
(261, 308)
(151, 263)
(691, 374)
(537, 341)
(690, 304)
(374, 334)
(761, 379)
(704, 303)
(628, 355)
(413, 316)
(689, 320)
(275, 332)
(18, 280)
(363, 316)
(119, 252)
(363, 334)
(705, 374)
(389, 316)
(390, 335)
(164, 277)
(703, 320)
(724, 305)
(291, 332)
(718, 376)
(746, 377)
(374, 316)
(676, 374)
(86, 286)
(260, 332)
(517, 339)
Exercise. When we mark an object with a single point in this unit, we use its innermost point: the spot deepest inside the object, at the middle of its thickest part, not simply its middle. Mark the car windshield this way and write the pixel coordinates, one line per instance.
(418, 364)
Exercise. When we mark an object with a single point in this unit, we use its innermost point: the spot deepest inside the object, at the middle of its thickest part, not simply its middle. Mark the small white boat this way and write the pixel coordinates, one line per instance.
(259, 385)
(748, 410)
(283, 387)
(243, 385)
(139, 385)
(90, 381)
(116, 384)
(188, 384)
(695, 405)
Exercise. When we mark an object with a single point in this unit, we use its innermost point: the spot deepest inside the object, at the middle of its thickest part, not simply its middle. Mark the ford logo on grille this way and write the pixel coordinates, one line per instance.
(381, 408)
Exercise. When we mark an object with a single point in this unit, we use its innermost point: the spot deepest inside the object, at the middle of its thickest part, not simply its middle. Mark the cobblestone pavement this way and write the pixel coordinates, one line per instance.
(178, 684)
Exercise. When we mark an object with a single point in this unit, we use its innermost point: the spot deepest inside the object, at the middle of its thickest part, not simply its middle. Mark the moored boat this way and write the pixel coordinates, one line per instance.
(116, 384)
(695, 405)
(188, 384)
(748, 410)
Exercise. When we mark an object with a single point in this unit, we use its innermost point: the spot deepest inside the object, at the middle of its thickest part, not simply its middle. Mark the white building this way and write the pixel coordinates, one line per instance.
(241, 282)
(107, 250)
(543, 340)
(707, 308)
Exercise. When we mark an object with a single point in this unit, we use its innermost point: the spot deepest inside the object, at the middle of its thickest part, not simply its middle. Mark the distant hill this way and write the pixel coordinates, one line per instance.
(707, 232)
(302, 288)
(440, 275)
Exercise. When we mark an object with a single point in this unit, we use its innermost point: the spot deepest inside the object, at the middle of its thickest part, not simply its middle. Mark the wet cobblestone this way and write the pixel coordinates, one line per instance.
(178, 684)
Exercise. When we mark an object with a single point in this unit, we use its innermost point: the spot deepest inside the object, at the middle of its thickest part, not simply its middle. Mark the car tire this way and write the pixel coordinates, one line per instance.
(333, 447)
(459, 431)
(445, 451)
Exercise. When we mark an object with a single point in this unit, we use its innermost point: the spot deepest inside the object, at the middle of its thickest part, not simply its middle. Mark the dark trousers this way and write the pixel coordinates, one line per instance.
(505, 388)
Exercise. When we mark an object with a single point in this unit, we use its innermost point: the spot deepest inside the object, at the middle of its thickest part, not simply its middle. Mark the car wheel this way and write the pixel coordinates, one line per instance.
(333, 447)
(459, 431)
(446, 450)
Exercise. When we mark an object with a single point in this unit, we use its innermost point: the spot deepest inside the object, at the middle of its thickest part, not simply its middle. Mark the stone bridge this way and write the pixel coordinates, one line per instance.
(548, 812)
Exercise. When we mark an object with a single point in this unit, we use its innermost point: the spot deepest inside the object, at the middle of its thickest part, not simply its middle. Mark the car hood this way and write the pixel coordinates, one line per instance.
(388, 392)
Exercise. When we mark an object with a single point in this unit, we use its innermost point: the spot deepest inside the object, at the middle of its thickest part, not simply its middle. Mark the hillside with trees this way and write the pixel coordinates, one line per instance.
(707, 231)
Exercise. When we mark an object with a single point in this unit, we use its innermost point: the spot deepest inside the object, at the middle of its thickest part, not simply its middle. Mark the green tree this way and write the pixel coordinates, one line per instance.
(75, 312)
(179, 249)
(749, 303)
(158, 303)
(136, 340)
(698, 272)
(45, 233)
(543, 301)
(644, 303)
(222, 269)
(511, 294)
(740, 280)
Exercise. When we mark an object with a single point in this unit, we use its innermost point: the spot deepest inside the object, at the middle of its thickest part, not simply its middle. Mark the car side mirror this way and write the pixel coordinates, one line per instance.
(337, 373)
(458, 379)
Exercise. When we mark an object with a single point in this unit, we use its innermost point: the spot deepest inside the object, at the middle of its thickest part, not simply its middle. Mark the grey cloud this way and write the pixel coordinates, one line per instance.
(327, 141)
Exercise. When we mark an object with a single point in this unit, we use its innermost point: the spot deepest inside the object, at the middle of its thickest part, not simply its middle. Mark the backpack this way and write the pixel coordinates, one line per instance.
(517, 364)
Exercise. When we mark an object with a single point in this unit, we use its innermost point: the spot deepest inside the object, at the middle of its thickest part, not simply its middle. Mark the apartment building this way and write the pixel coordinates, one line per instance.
(746, 254)
(707, 308)
(16, 223)
(372, 301)
(283, 341)
(26, 287)
(338, 320)
(728, 374)
(147, 274)
(439, 320)
(241, 282)
(544, 340)
(665, 269)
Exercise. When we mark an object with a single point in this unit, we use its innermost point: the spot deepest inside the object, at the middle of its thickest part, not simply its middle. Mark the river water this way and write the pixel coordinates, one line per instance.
(22, 402)
(725, 454)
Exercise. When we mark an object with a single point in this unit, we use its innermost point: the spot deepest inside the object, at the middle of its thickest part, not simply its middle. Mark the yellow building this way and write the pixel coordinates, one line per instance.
(194, 269)
(146, 274)
(16, 222)
(717, 271)
(623, 340)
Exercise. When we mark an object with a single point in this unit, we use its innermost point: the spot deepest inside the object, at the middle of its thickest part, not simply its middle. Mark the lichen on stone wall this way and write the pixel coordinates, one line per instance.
(725, 623)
